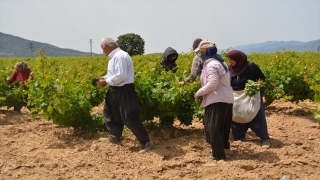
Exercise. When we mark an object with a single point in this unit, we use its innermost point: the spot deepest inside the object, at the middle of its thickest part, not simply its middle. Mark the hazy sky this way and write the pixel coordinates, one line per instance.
(161, 23)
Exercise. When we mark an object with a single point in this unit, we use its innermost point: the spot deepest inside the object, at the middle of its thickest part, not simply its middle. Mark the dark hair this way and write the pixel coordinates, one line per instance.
(196, 43)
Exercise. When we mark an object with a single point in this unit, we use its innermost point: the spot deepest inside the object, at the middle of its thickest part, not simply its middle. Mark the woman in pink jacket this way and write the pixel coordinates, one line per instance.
(217, 99)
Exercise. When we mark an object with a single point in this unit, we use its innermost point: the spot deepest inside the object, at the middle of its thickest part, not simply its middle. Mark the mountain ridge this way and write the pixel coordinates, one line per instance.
(14, 46)
(276, 46)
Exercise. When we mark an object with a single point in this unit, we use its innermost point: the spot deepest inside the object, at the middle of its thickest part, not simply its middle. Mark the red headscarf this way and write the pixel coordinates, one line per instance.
(240, 58)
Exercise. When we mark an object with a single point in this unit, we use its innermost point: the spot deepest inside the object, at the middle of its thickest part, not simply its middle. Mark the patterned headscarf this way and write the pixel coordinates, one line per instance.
(240, 58)
(22, 65)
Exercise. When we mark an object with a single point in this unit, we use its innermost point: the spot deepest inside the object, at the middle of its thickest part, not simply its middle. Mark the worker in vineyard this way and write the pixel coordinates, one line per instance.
(21, 74)
(196, 64)
(121, 104)
(241, 71)
(169, 56)
(217, 99)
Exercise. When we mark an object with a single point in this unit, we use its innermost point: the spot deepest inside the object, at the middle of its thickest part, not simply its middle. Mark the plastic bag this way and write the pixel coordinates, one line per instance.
(245, 108)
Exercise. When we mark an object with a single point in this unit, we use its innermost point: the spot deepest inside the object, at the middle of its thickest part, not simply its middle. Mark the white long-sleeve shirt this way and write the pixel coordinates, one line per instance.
(120, 68)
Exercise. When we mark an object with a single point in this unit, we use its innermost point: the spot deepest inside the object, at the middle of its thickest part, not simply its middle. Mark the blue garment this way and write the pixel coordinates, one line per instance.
(215, 56)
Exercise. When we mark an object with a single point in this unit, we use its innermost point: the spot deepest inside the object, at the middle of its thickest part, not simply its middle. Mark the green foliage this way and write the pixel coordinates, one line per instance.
(132, 43)
(63, 91)
(160, 94)
(10, 94)
(315, 86)
(252, 88)
(285, 74)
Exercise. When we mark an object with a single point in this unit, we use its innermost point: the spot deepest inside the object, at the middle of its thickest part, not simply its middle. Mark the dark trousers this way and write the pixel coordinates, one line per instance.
(217, 120)
(19, 106)
(22, 103)
(122, 108)
(258, 125)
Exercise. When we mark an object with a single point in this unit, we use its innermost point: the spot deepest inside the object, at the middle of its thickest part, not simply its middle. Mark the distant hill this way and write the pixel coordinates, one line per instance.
(13, 46)
(274, 46)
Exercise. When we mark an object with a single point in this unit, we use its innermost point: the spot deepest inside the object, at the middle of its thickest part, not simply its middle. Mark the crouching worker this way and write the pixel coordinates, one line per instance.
(21, 73)
(169, 56)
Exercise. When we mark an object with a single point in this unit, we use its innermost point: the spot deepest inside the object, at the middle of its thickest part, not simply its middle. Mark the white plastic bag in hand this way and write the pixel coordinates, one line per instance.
(245, 108)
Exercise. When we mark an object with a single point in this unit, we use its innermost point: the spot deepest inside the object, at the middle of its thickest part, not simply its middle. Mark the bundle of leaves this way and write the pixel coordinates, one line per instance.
(252, 87)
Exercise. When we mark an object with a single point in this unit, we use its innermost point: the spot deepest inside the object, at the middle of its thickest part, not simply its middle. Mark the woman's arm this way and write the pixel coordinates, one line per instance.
(195, 69)
(13, 77)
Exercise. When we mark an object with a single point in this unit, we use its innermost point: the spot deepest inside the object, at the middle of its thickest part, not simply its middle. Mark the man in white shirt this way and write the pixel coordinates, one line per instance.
(121, 103)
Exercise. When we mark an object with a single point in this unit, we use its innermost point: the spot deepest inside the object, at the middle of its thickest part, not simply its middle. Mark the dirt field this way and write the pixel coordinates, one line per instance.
(41, 150)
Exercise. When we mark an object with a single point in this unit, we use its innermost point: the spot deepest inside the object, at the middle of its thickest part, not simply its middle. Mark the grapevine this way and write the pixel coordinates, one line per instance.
(64, 90)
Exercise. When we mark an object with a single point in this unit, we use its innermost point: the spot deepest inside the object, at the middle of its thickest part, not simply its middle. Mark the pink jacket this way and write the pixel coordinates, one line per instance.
(215, 82)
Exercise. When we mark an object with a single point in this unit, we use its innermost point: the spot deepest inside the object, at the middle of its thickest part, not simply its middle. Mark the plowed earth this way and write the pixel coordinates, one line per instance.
(39, 149)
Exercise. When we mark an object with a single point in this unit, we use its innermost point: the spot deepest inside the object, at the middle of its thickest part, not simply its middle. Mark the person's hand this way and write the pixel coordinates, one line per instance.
(94, 81)
(197, 97)
(181, 83)
(102, 82)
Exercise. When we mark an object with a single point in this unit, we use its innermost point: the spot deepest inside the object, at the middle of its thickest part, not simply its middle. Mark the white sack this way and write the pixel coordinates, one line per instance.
(245, 108)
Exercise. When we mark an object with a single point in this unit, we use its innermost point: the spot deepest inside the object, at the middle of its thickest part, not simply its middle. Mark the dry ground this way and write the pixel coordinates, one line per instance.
(41, 150)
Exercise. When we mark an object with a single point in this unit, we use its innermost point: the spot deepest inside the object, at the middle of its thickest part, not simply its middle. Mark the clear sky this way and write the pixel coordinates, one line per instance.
(161, 23)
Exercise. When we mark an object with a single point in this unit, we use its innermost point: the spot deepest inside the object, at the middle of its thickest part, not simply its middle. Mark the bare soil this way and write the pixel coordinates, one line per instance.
(39, 149)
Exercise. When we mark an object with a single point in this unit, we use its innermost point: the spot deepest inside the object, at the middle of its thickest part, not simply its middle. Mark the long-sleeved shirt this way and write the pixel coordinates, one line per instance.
(196, 68)
(120, 68)
(252, 72)
(215, 82)
(20, 76)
